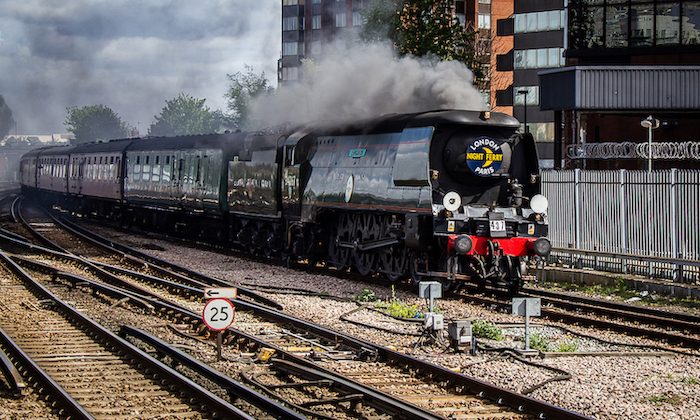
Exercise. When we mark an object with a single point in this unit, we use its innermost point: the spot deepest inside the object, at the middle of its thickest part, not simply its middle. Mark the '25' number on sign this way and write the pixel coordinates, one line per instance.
(218, 314)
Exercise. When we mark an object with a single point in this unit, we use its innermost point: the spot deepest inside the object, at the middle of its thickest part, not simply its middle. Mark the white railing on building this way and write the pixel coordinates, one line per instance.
(630, 221)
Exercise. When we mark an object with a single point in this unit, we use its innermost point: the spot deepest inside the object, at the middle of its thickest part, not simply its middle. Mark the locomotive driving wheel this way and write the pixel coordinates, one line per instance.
(367, 228)
(417, 264)
(395, 263)
(340, 232)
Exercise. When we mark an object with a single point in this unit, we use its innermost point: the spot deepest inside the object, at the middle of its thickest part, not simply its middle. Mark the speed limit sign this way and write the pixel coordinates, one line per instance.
(218, 314)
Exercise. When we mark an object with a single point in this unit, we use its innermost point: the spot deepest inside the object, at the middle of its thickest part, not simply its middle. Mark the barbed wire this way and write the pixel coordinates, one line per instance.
(629, 150)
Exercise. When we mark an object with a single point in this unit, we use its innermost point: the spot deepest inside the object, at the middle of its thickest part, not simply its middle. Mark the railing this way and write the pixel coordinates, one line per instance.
(627, 221)
(629, 150)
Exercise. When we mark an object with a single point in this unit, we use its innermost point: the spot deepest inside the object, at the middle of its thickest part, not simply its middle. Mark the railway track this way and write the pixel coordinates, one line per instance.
(449, 392)
(89, 372)
(676, 329)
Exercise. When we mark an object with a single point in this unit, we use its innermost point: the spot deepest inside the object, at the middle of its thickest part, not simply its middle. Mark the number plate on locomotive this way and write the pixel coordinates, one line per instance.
(497, 226)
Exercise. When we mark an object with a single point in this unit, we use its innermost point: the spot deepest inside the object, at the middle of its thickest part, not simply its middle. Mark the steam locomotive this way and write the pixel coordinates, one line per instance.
(446, 195)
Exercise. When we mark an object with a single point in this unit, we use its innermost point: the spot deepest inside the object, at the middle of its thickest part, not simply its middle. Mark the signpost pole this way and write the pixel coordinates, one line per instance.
(218, 346)
(527, 329)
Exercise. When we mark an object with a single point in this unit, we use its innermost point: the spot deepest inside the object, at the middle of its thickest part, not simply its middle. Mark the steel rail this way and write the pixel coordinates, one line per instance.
(235, 388)
(161, 265)
(622, 256)
(174, 310)
(684, 321)
(212, 402)
(483, 389)
(11, 374)
(572, 318)
(69, 406)
(17, 215)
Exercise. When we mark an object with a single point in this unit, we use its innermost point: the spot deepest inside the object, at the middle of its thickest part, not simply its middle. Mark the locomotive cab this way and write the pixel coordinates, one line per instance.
(487, 211)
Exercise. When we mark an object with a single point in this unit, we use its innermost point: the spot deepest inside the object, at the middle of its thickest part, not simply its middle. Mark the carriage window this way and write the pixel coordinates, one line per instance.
(156, 170)
(166, 169)
(137, 169)
(146, 170)
(289, 156)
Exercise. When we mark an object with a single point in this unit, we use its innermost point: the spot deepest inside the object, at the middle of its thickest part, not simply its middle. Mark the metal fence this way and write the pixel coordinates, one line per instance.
(623, 221)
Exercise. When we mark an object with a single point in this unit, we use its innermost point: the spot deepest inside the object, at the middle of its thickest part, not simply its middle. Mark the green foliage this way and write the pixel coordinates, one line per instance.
(486, 329)
(93, 123)
(6, 120)
(569, 346)
(186, 115)
(665, 399)
(242, 88)
(428, 27)
(378, 20)
(366, 295)
(398, 308)
(539, 342)
(691, 381)
(421, 28)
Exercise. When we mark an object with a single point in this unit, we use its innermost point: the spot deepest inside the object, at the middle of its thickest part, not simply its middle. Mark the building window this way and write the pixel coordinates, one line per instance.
(290, 24)
(691, 23)
(540, 58)
(292, 2)
(340, 20)
(552, 20)
(640, 23)
(533, 95)
(668, 23)
(484, 21)
(290, 48)
(356, 19)
(316, 22)
(616, 23)
(290, 73)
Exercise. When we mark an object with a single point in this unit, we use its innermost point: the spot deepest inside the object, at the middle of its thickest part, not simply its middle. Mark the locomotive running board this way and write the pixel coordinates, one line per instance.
(369, 245)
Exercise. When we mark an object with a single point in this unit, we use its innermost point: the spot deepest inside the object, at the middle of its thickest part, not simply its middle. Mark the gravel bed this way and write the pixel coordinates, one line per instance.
(630, 387)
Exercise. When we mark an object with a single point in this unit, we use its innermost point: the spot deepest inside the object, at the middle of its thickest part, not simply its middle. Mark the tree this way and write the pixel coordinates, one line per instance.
(6, 120)
(243, 87)
(421, 28)
(186, 115)
(94, 123)
(378, 21)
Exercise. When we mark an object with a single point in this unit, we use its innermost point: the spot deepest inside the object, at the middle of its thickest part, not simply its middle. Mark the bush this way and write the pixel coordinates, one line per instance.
(539, 342)
(485, 329)
(366, 295)
(569, 346)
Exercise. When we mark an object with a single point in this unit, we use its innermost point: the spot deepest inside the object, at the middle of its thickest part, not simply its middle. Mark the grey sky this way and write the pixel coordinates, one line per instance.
(129, 55)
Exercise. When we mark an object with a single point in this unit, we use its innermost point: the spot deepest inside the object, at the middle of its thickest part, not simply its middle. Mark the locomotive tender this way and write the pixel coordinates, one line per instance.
(449, 195)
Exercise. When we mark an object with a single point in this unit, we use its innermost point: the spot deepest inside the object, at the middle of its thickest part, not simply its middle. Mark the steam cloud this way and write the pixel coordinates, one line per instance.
(368, 80)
